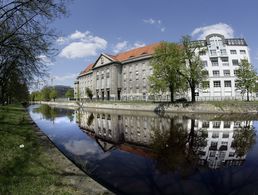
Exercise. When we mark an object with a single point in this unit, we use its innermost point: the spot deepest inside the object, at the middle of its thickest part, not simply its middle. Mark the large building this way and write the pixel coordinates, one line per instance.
(125, 76)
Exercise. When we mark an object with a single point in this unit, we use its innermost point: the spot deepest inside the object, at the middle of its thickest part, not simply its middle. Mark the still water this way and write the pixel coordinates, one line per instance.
(146, 153)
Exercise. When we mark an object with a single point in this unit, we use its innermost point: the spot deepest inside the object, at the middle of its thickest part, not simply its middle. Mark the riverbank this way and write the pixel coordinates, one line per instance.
(31, 164)
(212, 107)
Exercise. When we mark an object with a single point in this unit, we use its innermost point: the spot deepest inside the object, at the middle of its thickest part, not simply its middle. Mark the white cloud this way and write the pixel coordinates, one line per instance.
(157, 23)
(220, 28)
(80, 45)
(46, 60)
(138, 44)
(65, 77)
(79, 35)
(120, 46)
(61, 40)
(149, 21)
(125, 45)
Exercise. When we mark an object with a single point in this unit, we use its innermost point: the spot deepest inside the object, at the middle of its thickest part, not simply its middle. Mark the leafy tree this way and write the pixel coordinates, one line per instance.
(246, 78)
(69, 93)
(192, 69)
(53, 94)
(89, 92)
(165, 63)
(45, 94)
(25, 37)
(177, 149)
(244, 139)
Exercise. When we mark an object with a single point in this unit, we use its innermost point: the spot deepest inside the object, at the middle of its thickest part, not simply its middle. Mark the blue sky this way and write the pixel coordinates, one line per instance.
(96, 26)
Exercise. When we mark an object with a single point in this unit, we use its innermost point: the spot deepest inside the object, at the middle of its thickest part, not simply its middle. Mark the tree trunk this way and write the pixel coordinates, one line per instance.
(171, 89)
(247, 95)
(193, 93)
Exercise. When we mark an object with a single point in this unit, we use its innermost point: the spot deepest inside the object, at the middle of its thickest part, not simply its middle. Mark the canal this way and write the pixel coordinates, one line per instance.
(150, 153)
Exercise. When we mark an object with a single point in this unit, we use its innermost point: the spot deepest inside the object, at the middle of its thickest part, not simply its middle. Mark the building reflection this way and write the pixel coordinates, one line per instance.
(172, 141)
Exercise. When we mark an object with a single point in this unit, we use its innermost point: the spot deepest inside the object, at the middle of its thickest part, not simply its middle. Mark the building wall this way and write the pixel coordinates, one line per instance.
(219, 59)
(130, 78)
(135, 85)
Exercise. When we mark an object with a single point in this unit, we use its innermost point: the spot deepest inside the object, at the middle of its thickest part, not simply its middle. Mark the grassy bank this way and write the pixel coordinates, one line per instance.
(27, 164)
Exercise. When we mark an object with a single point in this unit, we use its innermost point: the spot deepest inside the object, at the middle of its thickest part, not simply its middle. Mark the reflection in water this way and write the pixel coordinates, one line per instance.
(178, 143)
(51, 113)
(142, 153)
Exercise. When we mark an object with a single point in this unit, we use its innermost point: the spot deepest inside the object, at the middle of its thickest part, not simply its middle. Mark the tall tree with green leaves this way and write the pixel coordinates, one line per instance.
(166, 62)
(192, 70)
(89, 92)
(69, 93)
(246, 78)
(53, 94)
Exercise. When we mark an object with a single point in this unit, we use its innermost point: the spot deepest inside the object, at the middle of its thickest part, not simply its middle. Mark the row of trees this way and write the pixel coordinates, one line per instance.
(48, 93)
(25, 37)
(178, 67)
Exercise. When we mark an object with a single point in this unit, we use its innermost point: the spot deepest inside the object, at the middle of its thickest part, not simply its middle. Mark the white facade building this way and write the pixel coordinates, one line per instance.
(221, 59)
(125, 76)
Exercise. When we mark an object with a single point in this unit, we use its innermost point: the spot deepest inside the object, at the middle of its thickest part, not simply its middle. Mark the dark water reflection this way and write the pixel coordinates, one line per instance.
(142, 153)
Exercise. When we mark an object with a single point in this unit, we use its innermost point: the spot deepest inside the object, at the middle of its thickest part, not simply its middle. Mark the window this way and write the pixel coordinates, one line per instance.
(215, 134)
(235, 72)
(213, 153)
(215, 72)
(235, 62)
(205, 84)
(226, 125)
(213, 52)
(233, 52)
(205, 124)
(227, 83)
(242, 52)
(216, 125)
(196, 94)
(206, 73)
(226, 72)
(225, 135)
(202, 52)
(231, 154)
(214, 62)
(223, 52)
(205, 63)
(216, 83)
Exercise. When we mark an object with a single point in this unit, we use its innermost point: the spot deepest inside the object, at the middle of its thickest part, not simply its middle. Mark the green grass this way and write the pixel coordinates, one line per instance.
(27, 170)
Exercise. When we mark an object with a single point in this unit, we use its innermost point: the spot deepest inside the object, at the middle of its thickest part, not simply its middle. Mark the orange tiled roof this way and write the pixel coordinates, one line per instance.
(146, 50)
(87, 69)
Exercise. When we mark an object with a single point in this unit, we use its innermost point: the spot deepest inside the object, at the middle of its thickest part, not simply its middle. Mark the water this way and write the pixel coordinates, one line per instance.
(144, 153)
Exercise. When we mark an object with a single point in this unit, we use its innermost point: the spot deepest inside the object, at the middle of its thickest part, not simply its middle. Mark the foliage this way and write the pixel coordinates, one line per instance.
(244, 139)
(45, 93)
(25, 39)
(246, 78)
(53, 94)
(177, 149)
(89, 93)
(165, 63)
(69, 93)
(192, 70)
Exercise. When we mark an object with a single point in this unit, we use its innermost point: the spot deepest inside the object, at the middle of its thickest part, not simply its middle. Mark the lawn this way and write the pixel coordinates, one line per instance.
(25, 166)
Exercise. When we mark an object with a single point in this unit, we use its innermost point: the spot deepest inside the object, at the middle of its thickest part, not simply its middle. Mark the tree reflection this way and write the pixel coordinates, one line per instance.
(178, 149)
(48, 112)
(90, 119)
(244, 139)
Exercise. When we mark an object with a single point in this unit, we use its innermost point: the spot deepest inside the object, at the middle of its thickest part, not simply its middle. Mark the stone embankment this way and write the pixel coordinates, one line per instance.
(198, 107)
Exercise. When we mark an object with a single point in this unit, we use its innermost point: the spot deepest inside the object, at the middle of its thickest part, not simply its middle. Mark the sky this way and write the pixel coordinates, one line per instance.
(93, 27)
